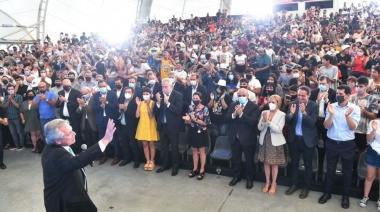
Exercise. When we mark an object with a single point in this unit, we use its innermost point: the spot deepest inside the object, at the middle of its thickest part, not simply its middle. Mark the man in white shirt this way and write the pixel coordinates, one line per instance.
(225, 57)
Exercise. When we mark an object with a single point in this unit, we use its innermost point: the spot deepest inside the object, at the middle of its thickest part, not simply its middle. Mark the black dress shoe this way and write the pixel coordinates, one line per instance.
(304, 194)
(234, 181)
(136, 165)
(124, 162)
(323, 199)
(291, 190)
(174, 172)
(345, 202)
(249, 184)
(161, 169)
(2, 166)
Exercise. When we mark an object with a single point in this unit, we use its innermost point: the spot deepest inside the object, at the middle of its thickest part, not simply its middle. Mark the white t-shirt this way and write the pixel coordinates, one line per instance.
(240, 60)
(375, 144)
(181, 74)
(225, 58)
(143, 68)
(215, 55)
(251, 97)
(269, 52)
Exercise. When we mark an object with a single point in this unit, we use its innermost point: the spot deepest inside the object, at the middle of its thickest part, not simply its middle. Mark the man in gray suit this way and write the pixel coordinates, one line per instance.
(88, 126)
(303, 137)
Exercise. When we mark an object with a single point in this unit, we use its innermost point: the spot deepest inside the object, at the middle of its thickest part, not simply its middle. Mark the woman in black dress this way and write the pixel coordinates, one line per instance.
(197, 137)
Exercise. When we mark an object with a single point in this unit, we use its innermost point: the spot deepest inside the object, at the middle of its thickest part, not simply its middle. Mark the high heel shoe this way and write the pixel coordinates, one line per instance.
(193, 173)
(272, 189)
(146, 165)
(151, 166)
(201, 176)
(266, 187)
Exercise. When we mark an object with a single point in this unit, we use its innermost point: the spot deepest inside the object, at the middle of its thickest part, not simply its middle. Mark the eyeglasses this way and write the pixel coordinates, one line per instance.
(241, 95)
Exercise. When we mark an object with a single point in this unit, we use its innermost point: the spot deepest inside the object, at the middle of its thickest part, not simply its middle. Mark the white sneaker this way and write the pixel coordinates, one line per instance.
(378, 205)
(363, 202)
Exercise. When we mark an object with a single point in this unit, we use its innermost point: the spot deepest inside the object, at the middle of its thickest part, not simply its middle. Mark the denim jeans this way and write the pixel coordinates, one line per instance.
(15, 127)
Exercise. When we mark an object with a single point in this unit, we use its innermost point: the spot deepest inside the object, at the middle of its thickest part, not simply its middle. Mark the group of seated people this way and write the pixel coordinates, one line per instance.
(210, 76)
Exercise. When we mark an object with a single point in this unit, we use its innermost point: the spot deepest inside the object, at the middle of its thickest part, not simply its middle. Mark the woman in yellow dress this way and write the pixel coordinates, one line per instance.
(147, 128)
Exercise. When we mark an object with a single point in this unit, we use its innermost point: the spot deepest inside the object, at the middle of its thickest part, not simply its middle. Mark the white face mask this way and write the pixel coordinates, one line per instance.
(360, 53)
(296, 75)
(127, 96)
(193, 82)
(272, 106)
(146, 97)
(152, 82)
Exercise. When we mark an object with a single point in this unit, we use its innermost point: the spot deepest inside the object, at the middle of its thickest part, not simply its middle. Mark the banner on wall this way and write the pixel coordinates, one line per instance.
(295, 1)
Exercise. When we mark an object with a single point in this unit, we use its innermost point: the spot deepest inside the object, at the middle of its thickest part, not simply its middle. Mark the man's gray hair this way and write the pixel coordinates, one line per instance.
(87, 88)
(167, 80)
(52, 131)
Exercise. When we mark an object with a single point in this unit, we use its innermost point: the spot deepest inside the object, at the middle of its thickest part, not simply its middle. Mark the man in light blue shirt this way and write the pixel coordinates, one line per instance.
(342, 118)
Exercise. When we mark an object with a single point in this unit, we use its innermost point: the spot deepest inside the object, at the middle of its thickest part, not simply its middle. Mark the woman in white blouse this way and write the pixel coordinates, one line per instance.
(372, 160)
(271, 150)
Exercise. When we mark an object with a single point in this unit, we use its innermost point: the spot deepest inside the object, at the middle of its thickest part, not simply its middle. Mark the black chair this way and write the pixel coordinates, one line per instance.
(207, 149)
(338, 170)
(222, 150)
(361, 168)
(315, 163)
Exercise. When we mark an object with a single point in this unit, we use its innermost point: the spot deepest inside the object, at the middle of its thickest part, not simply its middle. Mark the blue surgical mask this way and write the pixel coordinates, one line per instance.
(242, 99)
(192, 60)
(132, 85)
(86, 97)
(103, 90)
(230, 77)
(322, 88)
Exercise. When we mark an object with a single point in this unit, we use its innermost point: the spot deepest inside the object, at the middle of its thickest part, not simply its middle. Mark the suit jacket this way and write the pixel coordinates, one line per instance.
(90, 115)
(156, 88)
(72, 103)
(173, 112)
(189, 97)
(121, 93)
(64, 179)
(331, 95)
(245, 125)
(309, 130)
(111, 109)
(180, 88)
(275, 126)
(131, 121)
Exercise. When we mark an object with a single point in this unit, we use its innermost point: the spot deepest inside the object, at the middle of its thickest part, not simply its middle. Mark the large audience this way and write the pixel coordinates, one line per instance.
(275, 87)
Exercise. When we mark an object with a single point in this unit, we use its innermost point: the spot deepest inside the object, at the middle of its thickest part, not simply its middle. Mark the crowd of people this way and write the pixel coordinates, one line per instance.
(290, 80)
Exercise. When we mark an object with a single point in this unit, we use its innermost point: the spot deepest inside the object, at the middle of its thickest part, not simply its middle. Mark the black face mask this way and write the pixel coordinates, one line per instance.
(245, 87)
(196, 102)
(41, 91)
(270, 92)
(67, 87)
(30, 97)
(305, 55)
(58, 84)
(118, 87)
(1, 73)
(5, 81)
(288, 71)
(14, 76)
(249, 77)
(88, 79)
(293, 97)
(94, 75)
(71, 79)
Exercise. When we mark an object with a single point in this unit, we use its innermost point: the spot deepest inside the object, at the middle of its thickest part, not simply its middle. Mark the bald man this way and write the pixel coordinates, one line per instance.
(242, 116)
(67, 105)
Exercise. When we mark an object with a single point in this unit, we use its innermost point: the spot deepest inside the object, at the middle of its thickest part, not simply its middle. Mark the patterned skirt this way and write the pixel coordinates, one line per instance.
(269, 154)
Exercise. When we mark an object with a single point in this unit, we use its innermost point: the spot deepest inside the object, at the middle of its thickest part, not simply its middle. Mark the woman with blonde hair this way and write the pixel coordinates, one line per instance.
(271, 150)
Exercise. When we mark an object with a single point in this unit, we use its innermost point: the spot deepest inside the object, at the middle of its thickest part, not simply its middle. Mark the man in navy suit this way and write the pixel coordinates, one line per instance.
(138, 91)
(106, 106)
(168, 110)
(65, 182)
(242, 117)
(303, 137)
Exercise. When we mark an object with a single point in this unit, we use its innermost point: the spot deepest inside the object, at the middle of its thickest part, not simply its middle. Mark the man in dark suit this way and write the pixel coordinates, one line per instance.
(88, 125)
(67, 105)
(303, 137)
(138, 91)
(242, 117)
(65, 182)
(106, 106)
(168, 110)
(323, 95)
(153, 85)
(128, 126)
(195, 87)
(119, 88)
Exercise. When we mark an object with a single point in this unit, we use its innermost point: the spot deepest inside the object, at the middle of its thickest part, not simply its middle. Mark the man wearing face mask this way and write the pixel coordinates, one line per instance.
(242, 117)
(105, 106)
(88, 81)
(46, 104)
(285, 78)
(118, 88)
(12, 104)
(127, 127)
(303, 138)
(168, 110)
(368, 111)
(87, 123)
(194, 87)
(342, 118)
(74, 83)
(67, 105)
(308, 60)
(153, 85)
(137, 90)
